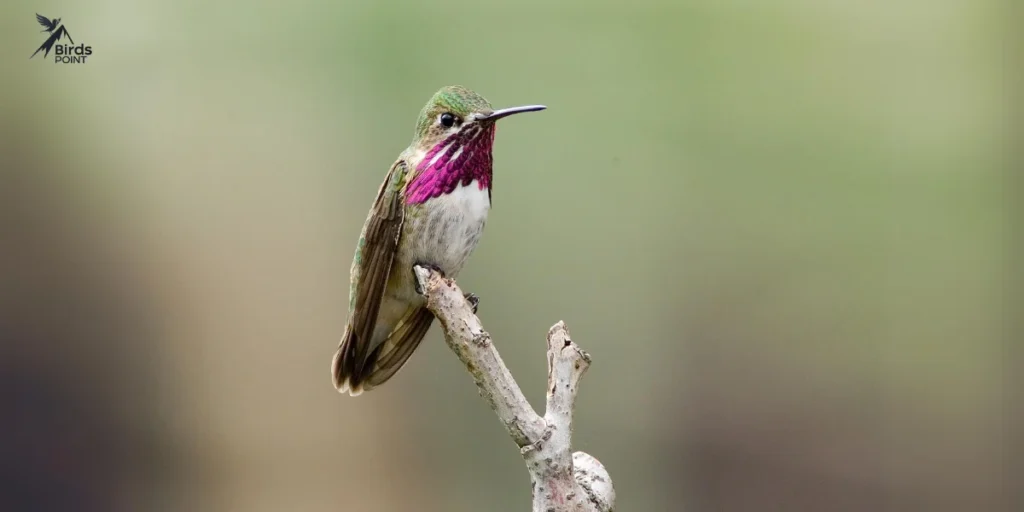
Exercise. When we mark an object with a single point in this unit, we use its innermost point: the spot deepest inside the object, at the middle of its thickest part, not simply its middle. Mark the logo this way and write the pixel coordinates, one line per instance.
(62, 53)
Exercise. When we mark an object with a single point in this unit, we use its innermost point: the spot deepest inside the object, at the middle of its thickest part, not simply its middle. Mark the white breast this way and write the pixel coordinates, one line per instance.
(450, 226)
(471, 200)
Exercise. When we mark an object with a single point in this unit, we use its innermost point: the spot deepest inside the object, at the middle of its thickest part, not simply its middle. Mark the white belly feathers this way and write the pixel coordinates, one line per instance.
(449, 227)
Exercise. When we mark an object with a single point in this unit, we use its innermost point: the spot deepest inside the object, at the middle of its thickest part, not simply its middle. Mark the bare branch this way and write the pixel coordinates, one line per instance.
(562, 481)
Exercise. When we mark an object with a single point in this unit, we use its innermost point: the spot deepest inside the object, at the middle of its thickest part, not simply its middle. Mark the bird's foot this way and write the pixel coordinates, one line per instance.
(416, 280)
(473, 300)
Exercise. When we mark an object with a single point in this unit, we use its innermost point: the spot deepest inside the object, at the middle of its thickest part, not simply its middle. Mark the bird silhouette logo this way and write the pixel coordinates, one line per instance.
(56, 31)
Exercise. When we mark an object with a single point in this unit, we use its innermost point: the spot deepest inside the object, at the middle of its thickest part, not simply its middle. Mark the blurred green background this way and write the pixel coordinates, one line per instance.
(778, 227)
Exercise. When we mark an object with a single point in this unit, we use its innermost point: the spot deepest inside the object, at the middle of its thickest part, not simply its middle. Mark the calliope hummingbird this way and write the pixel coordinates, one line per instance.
(430, 211)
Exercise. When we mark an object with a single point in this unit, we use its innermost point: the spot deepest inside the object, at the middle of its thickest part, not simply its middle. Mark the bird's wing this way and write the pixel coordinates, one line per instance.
(47, 45)
(378, 244)
(44, 21)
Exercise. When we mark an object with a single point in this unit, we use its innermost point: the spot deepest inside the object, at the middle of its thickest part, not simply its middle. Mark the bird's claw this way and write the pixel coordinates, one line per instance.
(473, 301)
(472, 298)
(416, 279)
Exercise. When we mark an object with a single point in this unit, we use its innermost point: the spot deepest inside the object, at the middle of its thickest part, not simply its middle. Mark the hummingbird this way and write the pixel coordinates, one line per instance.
(430, 212)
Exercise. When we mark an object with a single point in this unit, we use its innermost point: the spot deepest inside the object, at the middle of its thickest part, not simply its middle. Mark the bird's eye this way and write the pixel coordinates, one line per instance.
(447, 120)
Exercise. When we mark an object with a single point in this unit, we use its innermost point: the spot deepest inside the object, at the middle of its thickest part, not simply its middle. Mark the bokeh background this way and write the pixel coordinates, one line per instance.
(778, 227)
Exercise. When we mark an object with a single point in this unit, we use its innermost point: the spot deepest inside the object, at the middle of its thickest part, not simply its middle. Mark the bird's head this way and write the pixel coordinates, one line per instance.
(456, 114)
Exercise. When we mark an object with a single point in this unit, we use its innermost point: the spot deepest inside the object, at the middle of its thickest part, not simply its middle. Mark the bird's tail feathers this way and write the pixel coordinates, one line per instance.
(343, 365)
(359, 367)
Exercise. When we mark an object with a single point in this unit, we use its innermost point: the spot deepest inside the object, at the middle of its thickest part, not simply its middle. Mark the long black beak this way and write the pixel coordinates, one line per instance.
(505, 112)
